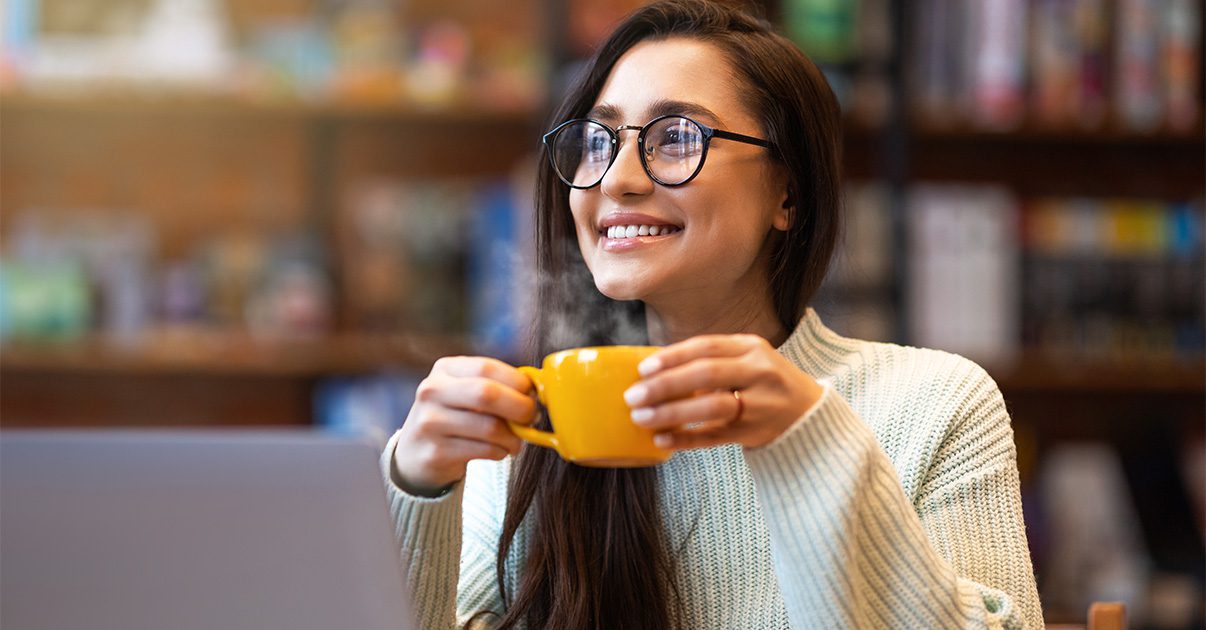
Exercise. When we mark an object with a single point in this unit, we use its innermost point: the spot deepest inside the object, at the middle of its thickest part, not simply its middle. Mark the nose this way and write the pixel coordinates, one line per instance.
(627, 175)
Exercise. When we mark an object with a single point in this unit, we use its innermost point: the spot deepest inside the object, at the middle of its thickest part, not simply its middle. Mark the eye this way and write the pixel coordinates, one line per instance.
(678, 139)
(597, 145)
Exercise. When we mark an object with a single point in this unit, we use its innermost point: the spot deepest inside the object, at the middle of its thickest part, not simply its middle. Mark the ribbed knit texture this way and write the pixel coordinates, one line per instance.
(892, 503)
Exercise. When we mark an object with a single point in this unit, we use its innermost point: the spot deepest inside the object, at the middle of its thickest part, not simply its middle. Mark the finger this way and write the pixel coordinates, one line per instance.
(468, 425)
(685, 380)
(713, 406)
(483, 367)
(478, 394)
(695, 348)
(455, 451)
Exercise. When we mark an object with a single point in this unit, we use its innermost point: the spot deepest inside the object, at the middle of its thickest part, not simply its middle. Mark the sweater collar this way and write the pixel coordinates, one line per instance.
(814, 347)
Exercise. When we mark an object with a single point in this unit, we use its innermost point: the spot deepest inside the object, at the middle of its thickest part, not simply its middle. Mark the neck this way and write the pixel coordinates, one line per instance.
(692, 313)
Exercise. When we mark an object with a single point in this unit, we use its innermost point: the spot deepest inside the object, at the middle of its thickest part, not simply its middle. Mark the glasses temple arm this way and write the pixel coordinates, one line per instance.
(737, 137)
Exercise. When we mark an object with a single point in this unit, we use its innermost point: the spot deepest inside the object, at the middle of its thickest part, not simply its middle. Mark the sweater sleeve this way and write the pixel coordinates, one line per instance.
(448, 545)
(850, 550)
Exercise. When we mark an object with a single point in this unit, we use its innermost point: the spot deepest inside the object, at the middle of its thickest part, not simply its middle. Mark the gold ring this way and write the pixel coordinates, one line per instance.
(740, 405)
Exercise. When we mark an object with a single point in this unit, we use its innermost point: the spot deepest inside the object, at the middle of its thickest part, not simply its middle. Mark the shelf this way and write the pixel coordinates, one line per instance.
(228, 354)
(198, 103)
(1064, 165)
(1037, 374)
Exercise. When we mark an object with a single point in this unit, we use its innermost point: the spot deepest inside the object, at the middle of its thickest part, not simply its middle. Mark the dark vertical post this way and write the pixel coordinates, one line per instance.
(895, 163)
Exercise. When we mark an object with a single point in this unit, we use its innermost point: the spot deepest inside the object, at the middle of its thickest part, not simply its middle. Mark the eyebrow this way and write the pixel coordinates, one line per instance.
(660, 107)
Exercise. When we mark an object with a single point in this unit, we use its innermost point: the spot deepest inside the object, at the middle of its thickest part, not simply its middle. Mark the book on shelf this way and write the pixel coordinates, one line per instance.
(1070, 59)
(962, 282)
(997, 47)
(1134, 65)
(1114, 279)
(855, 299)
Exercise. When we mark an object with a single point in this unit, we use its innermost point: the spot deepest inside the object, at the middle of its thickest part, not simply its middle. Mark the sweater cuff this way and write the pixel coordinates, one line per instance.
(420, 522)
(817, 439)
(817, 408)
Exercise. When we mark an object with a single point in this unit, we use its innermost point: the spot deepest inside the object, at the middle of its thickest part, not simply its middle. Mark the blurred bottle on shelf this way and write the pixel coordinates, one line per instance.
(402, 244)
(440, 63)
(43, 302)
(293, 297)
(377, 53)
(70, 273)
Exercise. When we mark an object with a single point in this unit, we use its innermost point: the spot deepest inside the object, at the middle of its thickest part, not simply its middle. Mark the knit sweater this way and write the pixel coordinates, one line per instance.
(892, 503)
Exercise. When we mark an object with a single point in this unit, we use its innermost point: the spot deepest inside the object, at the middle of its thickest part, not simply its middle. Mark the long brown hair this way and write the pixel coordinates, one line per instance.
(597, 555)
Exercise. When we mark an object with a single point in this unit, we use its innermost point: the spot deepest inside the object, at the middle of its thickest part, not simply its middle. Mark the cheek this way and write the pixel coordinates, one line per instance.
(580, 207)
(580, 203)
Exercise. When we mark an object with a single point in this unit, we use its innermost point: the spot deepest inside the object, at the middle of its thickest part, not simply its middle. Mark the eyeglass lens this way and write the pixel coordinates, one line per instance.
(673, 149)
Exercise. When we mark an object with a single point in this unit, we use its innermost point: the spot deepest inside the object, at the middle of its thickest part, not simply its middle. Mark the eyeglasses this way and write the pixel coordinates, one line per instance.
(672, 149)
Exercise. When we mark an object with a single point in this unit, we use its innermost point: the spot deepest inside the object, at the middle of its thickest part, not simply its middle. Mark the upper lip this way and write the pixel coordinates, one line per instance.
(632, 218)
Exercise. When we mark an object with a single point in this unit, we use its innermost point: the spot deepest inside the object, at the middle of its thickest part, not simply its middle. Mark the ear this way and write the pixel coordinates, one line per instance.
(785, 213)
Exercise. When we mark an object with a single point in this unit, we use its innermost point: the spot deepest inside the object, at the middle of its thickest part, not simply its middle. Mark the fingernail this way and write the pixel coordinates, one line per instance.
(661, 440)
(642, 414)
(636, 395)
(649, 366)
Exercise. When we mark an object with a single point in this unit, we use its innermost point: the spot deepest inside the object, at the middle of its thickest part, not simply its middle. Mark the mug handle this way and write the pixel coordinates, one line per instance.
(528, 434)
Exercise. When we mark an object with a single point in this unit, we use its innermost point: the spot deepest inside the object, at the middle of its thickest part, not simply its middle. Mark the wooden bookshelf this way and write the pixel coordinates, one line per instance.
(229, 354)
(167, 352)
(1036, 161)
(193, 377)
(203, 103)
(1036, 374)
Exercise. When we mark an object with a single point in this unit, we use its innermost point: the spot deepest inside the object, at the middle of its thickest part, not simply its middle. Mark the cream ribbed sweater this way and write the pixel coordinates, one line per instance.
(893, 503)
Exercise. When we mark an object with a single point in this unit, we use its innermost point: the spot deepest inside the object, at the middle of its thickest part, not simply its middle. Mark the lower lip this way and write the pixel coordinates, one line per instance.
(628, 244)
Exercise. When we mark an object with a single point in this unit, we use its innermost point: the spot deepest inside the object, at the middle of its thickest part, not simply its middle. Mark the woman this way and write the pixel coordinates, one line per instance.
(818, 481)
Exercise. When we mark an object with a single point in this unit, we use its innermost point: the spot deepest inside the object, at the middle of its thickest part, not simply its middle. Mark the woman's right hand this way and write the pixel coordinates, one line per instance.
(459, 415)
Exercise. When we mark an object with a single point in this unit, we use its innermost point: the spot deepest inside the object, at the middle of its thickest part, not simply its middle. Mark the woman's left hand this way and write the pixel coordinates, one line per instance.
(686, 393)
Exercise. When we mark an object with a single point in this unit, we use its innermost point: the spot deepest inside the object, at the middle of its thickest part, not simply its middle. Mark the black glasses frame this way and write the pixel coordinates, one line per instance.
(708, 133)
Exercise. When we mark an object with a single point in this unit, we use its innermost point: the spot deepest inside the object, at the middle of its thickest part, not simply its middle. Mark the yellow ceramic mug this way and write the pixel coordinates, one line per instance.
(583, 390)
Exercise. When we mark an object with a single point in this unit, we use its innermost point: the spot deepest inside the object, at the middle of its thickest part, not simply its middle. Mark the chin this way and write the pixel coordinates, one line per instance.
(622, 289)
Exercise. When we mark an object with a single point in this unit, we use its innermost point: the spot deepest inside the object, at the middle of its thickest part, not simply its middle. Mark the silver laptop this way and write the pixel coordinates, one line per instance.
(187, 530)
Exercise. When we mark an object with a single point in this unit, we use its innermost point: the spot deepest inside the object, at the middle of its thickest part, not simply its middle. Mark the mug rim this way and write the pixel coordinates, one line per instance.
(616, 347)
(551, 358)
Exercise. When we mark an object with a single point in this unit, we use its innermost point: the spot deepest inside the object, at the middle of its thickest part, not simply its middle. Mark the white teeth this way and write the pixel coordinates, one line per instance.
(631, 231)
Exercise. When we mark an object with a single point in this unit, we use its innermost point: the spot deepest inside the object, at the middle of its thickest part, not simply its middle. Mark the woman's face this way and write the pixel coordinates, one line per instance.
(718, 222)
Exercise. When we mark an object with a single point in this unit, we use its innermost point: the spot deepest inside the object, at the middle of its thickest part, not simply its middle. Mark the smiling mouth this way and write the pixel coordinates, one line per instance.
(620, 232)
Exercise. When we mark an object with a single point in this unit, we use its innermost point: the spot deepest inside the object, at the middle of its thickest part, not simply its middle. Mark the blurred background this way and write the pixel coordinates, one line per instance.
(280, 212)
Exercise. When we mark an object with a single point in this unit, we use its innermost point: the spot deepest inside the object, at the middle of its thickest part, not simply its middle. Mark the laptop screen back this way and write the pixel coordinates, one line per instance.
(195, 530)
